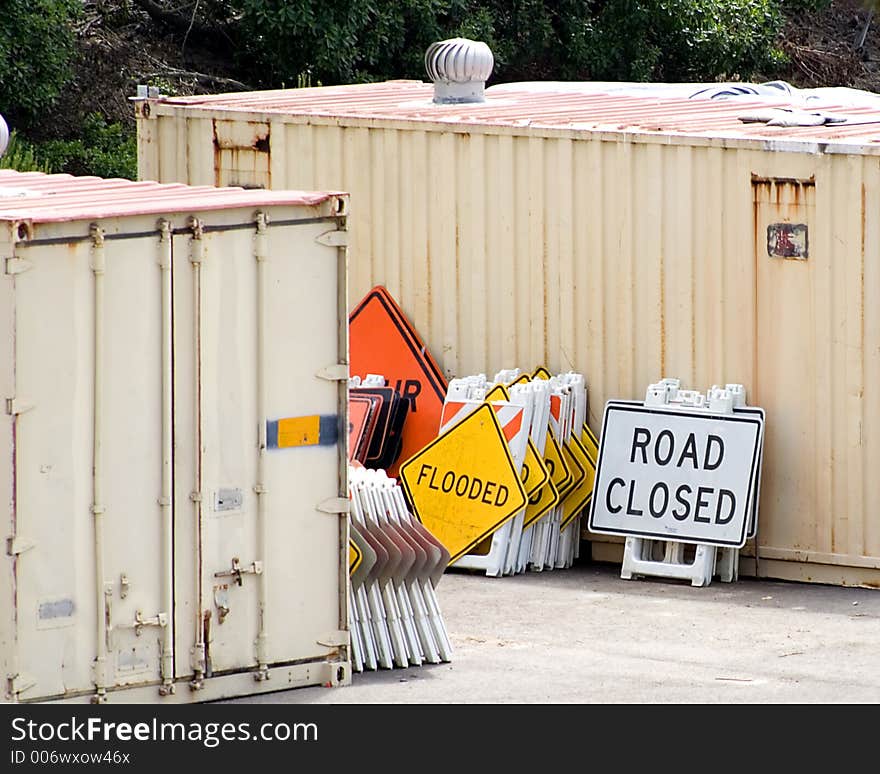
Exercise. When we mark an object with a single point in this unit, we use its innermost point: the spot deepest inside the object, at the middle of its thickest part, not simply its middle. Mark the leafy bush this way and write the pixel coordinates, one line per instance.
(20, 155)
(36, 46)
(666, 40)
(103, 149)
(286, 40)
(350, 40)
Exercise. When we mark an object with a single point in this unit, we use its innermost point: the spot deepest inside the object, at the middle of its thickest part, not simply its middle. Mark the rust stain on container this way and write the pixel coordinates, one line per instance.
(242, 154)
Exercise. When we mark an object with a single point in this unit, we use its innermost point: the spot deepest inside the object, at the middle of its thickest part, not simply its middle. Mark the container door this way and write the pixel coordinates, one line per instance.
(216, 453)
(266, 579)
(91, 582)
(786, 270)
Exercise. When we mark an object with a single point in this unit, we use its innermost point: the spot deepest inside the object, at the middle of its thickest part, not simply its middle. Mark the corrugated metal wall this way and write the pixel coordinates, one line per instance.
(628, 260)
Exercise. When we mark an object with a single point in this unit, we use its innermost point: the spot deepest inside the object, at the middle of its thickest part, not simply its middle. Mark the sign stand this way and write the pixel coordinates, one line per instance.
(708, 561)
(394, 617)
(462, 398)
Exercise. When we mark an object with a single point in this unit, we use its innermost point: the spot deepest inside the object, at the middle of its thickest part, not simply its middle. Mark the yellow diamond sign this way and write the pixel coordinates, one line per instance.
(579, 497)
(534, 472)
(464, 485)
(355, 556)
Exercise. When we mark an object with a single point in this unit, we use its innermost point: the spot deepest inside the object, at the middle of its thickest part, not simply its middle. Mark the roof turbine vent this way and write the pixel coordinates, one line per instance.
(4, 136)
(459, 69)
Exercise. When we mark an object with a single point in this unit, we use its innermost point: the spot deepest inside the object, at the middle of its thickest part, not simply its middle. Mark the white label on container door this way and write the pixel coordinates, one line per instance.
(676, 475)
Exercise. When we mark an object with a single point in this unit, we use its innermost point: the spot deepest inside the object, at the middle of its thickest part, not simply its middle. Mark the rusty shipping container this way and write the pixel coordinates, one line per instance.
(626, 236)
(162, 542)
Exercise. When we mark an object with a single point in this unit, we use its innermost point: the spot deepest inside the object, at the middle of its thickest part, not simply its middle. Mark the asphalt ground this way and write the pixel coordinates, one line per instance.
(583, 635)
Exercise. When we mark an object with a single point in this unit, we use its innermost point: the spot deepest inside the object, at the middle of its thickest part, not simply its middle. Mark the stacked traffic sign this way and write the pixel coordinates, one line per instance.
(377, 415)
(521, 438)
(382, 340)
(395, 565)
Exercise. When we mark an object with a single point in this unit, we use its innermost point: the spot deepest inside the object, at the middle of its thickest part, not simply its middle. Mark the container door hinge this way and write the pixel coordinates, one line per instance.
(197, 662)
(14, 406)
(18, 545)
(333, 238)
(20, 683)
(334, 373)
(334, 505)
(18, 265)
(334, 639)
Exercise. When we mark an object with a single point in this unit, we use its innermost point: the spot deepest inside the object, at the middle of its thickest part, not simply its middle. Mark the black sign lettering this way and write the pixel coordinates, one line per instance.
(725, 494)
(682, 515)
(411, 389)
(658, 513)
(464, 486)
(719, 445)
(702, 503)
(667, 436)
(689, 452)
(641, 439)
(630, 511)
(612, 508)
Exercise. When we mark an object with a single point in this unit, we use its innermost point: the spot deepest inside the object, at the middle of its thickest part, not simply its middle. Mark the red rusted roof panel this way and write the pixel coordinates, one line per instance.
(45, 198)
(585, 111)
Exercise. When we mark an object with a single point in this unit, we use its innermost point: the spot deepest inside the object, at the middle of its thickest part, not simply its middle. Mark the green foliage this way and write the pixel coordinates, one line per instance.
(20, 155)
(103, 149)
(355, 40)
(36, 46)
(668, 40)
(350, 40)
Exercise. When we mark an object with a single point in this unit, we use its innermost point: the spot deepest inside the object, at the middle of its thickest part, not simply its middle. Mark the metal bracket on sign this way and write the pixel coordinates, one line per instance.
(333, 238)
(18, 265)
(14, 406)
(20, 683)
(334, 505)
(334, 373)
(18, 545)
(334, 639)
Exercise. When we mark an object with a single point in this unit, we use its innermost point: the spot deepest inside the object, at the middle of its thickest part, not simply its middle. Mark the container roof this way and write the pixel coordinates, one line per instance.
(580, 107)
(42, 198)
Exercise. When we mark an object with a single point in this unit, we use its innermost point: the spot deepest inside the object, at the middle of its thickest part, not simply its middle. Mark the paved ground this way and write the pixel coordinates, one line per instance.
(584, 635)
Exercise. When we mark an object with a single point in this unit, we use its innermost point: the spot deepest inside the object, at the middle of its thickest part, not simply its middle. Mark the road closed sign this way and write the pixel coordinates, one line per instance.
(676, 475)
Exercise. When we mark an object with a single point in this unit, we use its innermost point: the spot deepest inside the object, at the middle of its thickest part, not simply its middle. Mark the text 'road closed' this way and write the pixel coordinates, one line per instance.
(673, 474)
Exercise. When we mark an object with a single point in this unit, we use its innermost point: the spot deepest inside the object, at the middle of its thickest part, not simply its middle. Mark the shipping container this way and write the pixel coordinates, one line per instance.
(174, 476)
(626, 236)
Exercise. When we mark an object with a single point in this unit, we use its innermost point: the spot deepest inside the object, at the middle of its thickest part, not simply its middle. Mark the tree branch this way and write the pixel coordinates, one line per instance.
(185, 24)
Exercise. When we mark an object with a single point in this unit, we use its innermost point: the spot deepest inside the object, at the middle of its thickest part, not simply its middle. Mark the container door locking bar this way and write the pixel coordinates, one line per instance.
(237, 570)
